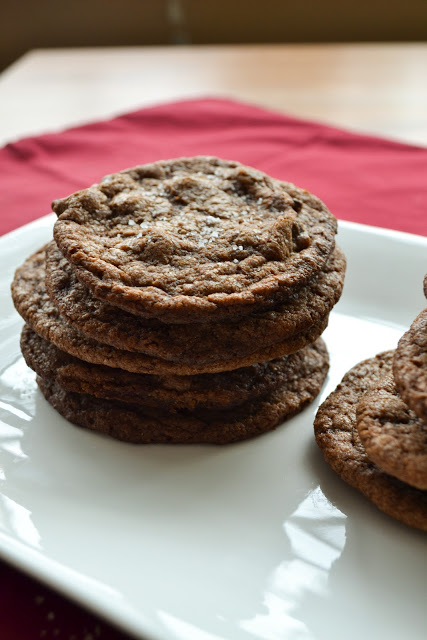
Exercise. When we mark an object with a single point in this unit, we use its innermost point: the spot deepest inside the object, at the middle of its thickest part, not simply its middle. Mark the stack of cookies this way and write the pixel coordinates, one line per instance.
(182, 301)
(372, 429)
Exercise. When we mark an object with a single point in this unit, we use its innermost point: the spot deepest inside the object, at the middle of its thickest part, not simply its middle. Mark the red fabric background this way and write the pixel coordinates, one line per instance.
(361, 178)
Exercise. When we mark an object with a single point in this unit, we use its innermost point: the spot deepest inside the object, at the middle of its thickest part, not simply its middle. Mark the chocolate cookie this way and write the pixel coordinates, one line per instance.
(34, 305)
(194, 239)
(410, 366)
(337, 436)
(393, 435)
(200, 343)
(218, 390)
(145, 425)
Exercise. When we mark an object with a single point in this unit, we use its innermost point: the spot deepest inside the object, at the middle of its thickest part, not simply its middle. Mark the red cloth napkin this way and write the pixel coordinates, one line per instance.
(361, 178)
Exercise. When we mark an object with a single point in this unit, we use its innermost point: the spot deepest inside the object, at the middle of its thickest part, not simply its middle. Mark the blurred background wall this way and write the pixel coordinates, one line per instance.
(29, 24)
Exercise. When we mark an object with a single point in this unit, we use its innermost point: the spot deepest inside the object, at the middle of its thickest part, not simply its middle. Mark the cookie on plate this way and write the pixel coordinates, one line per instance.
(195, 344)
(410, 366)
(394, 437)
(194, 239)
(34, 305)
(220, 390)
(336, 434)
(145, 424)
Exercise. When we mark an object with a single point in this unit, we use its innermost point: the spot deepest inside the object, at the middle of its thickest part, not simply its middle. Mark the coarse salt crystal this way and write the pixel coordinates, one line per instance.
(235, 260)
(131, 223)
(139, 235)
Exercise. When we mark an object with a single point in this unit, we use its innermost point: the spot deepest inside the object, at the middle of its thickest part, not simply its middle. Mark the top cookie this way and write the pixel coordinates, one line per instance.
(194, 239)
(410, 366)
(394, 437)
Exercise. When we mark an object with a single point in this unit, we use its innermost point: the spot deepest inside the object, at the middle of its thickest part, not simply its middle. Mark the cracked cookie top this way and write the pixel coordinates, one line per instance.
(194, 239)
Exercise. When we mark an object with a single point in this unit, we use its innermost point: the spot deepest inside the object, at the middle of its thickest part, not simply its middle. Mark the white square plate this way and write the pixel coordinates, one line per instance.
(254, 540)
